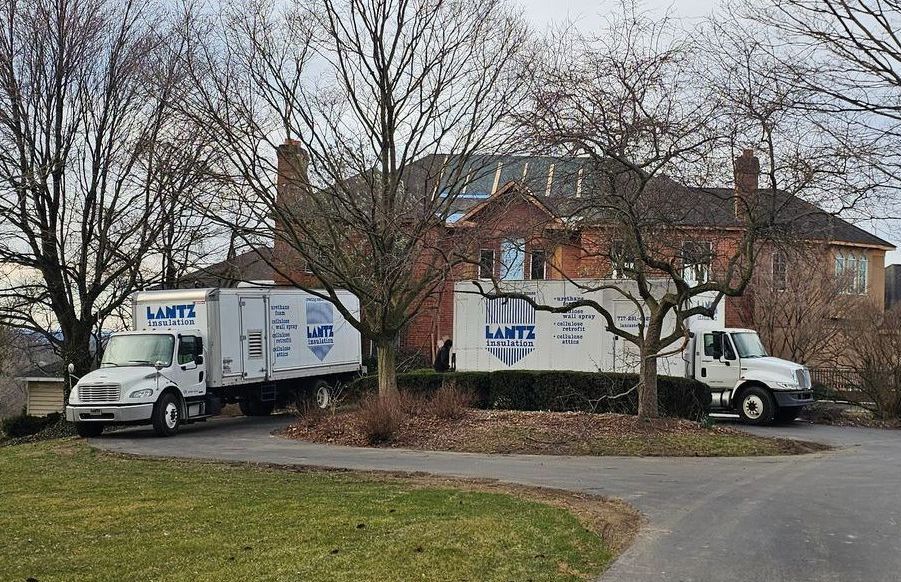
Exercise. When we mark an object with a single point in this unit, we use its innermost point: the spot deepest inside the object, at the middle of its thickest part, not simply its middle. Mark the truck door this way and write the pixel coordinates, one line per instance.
(718, 366)
(191, 371)
(253, 337)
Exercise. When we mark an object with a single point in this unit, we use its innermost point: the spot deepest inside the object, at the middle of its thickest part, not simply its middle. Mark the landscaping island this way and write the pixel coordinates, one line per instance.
(71, 513)
(545, 433)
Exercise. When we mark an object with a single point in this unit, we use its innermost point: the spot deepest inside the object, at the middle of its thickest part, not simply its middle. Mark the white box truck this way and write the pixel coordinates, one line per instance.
(191, 351)
(503, 334)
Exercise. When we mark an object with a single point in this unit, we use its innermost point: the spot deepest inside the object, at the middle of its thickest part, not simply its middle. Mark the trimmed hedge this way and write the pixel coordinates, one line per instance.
(558, 391)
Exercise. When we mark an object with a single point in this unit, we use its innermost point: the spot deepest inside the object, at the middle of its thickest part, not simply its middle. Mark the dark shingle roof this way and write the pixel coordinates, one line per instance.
(560, 181)
(253, 265)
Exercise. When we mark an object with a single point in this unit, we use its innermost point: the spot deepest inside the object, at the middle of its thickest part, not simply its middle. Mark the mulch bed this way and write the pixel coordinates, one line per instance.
(554, 433)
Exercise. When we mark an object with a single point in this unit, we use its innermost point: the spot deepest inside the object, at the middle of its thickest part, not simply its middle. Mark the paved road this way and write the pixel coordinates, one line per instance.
(830, 516)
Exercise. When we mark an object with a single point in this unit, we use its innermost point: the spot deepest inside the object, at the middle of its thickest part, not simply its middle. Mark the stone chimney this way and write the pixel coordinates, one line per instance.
(747, 181)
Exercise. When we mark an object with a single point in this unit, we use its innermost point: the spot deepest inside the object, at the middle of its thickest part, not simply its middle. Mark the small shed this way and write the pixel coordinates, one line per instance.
(44, 395)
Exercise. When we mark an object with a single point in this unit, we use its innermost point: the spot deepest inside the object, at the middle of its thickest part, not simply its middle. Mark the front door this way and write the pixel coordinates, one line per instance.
(718, 365)
(253, 336)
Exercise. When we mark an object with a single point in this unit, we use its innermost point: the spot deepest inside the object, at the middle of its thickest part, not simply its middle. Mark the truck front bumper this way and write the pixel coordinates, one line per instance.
(789, 398)
(118, 414)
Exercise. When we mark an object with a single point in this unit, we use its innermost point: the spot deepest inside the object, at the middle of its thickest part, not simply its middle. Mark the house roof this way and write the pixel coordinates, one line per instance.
(252, 265)
(563, 184)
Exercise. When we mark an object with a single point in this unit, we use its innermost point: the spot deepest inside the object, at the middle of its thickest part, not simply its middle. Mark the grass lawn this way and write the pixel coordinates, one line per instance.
(70, 513)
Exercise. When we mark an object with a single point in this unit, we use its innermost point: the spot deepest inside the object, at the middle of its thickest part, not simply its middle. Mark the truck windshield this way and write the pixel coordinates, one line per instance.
(748, 345)
(138, 350)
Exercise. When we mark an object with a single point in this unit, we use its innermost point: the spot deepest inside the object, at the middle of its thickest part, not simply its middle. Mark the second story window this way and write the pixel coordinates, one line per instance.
(780, 271)
(486, 264)
(852, 270)
(513, 259)
(621, 260)
(537, 267)
(697, 257)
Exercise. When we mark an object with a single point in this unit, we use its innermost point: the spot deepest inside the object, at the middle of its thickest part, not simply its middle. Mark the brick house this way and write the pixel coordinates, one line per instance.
(509, 212)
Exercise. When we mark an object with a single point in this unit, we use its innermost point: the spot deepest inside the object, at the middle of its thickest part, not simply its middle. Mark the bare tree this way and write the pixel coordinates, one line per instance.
(621, 102)
(369, 98)
(874, 358)
(86, 88)
(844, 55)
(801, 308)
(654, 114)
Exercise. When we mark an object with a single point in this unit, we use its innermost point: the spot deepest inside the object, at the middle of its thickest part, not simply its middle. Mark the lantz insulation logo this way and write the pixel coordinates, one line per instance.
(171, 315)
(320, 326)
(509, 329)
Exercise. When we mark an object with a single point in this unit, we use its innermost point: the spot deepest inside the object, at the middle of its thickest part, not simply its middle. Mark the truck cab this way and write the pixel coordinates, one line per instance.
(743, 378)
(145, 376)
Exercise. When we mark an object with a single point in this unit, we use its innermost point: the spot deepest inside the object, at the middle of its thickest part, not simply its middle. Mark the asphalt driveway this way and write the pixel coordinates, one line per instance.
(830, 516)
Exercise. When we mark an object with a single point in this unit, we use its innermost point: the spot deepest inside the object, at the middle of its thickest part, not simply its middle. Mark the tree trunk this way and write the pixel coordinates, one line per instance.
(386, 354)
(76, 351)
(647, 385)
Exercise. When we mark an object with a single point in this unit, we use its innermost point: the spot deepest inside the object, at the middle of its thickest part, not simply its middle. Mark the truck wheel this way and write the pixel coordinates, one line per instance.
(256, 407)
(788, 414)
(166, 415)
(89, 429)
(322, 394)
(756, 406)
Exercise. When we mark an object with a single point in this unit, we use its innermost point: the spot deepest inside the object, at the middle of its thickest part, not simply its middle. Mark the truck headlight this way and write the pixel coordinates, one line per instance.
(145, 393)
(786, 386)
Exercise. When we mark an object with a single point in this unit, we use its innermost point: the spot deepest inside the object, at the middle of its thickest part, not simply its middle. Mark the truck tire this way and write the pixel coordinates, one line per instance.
(788, 414)
(756, 406)
(318, 396)
(322, 394)
(256, 407)
(89, 429)
(166, 415)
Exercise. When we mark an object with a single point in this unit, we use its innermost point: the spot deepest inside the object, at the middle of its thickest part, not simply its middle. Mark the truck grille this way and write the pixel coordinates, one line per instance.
(803, 377)
(106, 393)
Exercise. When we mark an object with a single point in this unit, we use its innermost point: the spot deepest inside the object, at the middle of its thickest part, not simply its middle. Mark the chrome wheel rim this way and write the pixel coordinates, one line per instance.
(170, 414)
(753, 407)
(322, 396)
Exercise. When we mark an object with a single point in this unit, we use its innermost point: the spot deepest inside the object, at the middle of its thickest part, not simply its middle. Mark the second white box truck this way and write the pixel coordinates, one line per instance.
(502, 334)
(192, 351)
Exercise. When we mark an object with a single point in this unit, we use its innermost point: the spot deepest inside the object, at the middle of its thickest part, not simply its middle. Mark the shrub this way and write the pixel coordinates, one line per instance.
(450, 402)
(379, 418)
(558, 391)
(25, 425)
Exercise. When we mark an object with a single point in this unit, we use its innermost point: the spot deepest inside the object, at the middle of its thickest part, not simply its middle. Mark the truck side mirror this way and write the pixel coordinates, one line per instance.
(198, 359)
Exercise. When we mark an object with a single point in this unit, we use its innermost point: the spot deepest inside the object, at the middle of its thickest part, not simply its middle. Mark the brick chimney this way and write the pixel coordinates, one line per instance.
(747, 181)
(292, 180)
(293, 163)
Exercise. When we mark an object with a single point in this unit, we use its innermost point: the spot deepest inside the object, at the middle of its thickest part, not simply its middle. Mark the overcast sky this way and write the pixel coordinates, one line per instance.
(588, 14)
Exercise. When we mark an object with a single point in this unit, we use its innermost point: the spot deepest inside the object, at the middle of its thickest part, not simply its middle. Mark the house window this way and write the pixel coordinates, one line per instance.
(313, 256)
(696, 259)
(486, 264)
(537, 267)
(852, 270)
(513, 259)
(780, 271)
(621, 261)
